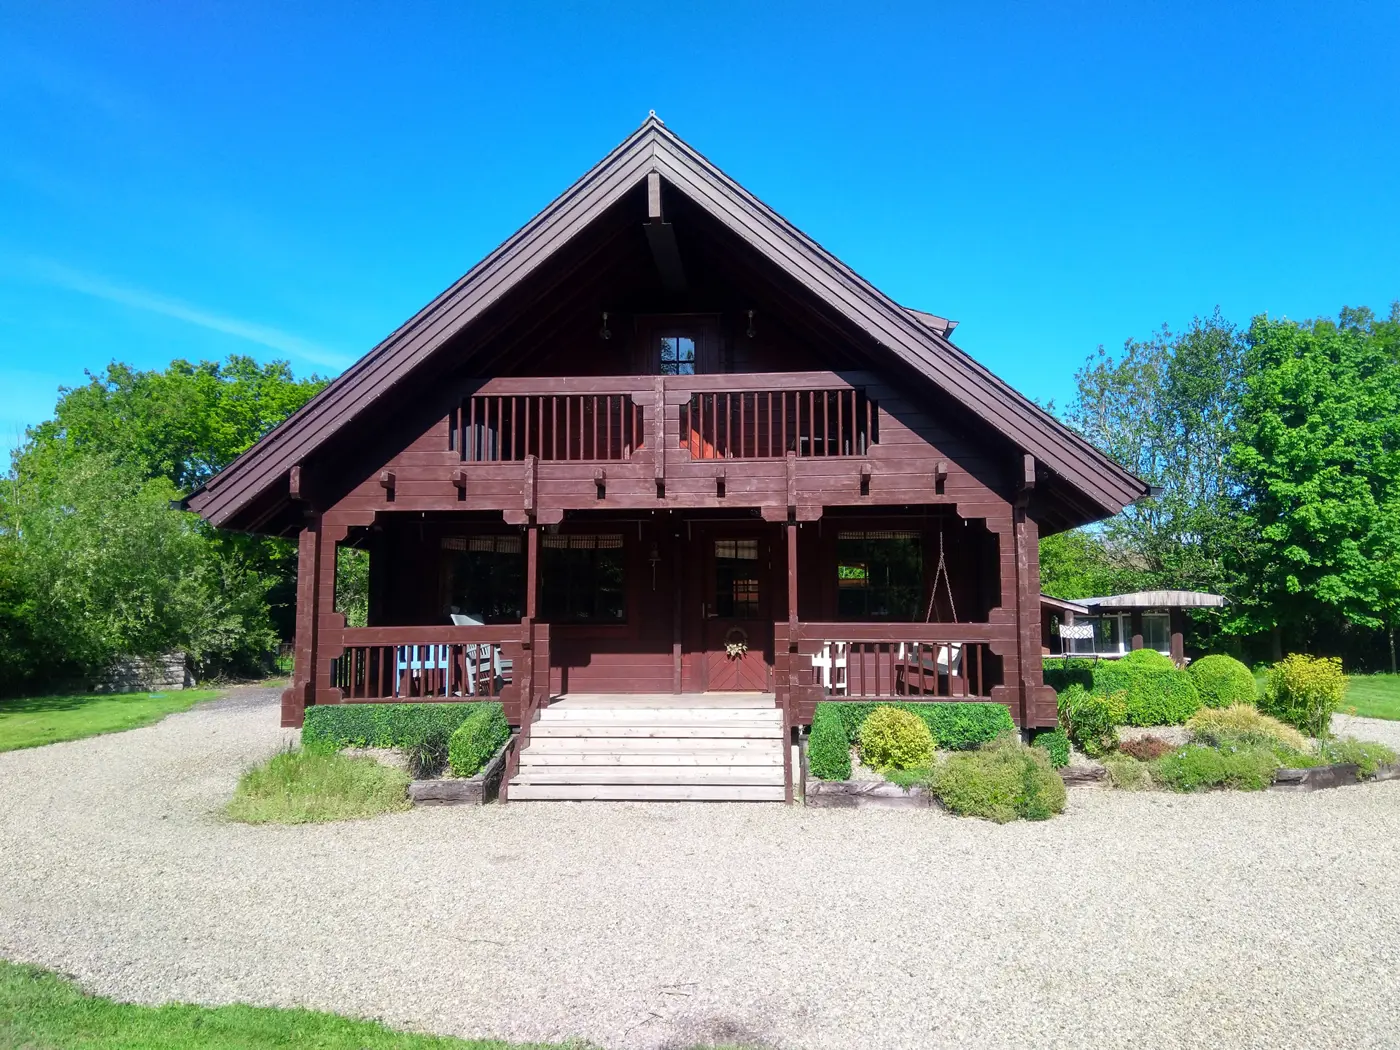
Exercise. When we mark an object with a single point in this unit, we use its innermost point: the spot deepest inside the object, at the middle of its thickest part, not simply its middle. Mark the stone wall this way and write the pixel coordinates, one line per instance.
(139, 675)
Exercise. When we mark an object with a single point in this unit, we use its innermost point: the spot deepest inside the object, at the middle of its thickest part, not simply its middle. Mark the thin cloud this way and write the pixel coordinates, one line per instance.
(138, 299)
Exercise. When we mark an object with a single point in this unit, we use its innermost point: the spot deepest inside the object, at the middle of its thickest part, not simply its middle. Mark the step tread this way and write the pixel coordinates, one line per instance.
(567, 729)
(768, 757)
(645, 793)
(663, 775)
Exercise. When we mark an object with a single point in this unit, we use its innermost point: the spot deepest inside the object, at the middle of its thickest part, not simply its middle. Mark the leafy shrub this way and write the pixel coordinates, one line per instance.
(1249, 767)
(954, 727)
(305, 787)
(1242, 724)
(1127, 773)
(1145, 748)
(1061, 672)
(1001, 781)
(378, 725)
(1368, 756)
(828, 746)
(894, 739)
(1156, 695)
(1091, 719)
(426, 750)
(1222, 681)
(1054, 743)
(476, 740)
(1305, 691)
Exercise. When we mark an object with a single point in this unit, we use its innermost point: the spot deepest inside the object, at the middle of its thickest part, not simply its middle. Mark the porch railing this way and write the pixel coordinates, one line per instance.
(875, 661)
(430, 663)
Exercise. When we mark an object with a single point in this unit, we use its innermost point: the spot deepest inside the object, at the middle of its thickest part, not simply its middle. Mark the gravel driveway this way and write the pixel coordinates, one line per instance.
(1135, 920)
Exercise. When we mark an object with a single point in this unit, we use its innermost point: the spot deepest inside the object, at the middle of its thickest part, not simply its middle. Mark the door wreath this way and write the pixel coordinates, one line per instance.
(736, 643)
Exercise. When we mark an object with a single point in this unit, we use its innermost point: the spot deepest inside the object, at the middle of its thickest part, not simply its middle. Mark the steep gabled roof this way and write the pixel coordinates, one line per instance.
(918, 339)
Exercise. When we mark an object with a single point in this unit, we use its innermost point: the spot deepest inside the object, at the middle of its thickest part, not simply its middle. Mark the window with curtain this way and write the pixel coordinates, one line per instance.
(583, 579)
(485, 577)
(880, 575)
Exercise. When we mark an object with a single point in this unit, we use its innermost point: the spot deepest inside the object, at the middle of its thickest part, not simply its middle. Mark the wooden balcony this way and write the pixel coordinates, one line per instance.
(633, 441)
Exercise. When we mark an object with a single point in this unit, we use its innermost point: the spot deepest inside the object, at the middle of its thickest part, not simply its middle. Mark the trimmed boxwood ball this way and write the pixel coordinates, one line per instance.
(895, 739)
(334, 726)
(1222, 681)
(1150, 658)
(477, 739)
(1055, 743)
(1155, 695)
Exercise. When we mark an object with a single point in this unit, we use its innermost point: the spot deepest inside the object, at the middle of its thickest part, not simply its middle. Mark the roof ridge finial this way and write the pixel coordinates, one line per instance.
(651, 115)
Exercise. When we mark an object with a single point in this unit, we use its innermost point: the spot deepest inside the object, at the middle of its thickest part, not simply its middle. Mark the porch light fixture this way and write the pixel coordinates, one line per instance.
(603, 332)
(750, 331)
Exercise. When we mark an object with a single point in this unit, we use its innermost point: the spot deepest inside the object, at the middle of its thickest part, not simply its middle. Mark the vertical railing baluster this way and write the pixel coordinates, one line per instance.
(607, 430)
(742, 400)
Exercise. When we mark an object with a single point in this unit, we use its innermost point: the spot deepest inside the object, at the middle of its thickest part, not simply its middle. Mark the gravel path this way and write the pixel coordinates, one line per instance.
(1135, 920)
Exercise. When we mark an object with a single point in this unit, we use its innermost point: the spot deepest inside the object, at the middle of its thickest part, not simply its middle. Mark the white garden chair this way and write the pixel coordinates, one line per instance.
(475, 655)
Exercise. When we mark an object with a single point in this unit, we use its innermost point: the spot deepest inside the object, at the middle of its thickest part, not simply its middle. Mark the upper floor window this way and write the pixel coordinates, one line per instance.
(677, 355)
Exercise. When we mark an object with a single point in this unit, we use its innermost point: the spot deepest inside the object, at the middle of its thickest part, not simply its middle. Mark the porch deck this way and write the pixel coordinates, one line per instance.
(667, 701)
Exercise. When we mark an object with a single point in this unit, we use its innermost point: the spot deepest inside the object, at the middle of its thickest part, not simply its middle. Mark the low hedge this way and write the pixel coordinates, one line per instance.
(1155, 695)
(477, 739)
(954, 727)
(380, 725)
(1061, 672)
(1222, 681)
(1001, 782)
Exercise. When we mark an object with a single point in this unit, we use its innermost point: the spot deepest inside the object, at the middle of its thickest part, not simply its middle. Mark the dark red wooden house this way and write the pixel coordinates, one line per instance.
(661, 447)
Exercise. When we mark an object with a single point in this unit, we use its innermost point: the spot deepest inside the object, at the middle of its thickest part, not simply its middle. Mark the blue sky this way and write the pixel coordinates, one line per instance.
(293, 180)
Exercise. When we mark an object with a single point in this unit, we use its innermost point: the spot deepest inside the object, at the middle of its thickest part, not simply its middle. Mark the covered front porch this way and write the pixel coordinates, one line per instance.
(860, 604)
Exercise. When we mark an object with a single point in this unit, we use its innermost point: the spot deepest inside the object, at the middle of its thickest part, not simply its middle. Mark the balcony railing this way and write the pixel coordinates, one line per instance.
(877, 661)
(715, 416)
(560, 427)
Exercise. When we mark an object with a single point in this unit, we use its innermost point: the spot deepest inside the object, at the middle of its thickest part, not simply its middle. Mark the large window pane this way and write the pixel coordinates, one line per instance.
(1157, 631)
(583, 579)
(486, 578)
(879, 575)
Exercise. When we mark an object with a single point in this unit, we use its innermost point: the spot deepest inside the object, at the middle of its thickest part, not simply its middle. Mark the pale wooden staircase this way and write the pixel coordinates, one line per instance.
(647, 749)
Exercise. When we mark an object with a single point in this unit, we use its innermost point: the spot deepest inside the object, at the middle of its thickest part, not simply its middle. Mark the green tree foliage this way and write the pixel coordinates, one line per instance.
(1166, 409)
(1079, 564)
(1318, 456)
(95, 563)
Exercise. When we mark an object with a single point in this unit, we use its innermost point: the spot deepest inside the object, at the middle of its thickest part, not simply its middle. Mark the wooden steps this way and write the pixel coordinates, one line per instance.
(652, 753)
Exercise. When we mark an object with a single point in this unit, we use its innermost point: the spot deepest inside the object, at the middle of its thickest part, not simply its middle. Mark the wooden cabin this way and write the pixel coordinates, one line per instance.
(661, 451)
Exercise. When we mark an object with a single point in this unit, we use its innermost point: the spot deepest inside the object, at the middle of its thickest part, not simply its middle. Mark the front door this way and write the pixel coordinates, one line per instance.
(738, 625)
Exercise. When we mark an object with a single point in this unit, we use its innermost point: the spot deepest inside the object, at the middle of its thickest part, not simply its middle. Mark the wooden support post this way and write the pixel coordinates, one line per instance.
(1178, 629)
(658, 435)
(302, 692)
(792, 585)
(678, 576)
(532, 573)
(1135, 629)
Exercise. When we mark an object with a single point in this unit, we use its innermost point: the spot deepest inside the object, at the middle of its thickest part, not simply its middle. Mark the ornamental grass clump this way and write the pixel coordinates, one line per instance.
(1003, 781)
(1222, 681)
(1305, 691)
(893, 739)
(1092, 719)
(308, 786)
(1243, 724)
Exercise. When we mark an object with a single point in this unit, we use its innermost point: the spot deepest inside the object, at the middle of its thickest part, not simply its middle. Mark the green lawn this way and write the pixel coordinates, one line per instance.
(1373, 695)
(48, 719)
(43, 1011)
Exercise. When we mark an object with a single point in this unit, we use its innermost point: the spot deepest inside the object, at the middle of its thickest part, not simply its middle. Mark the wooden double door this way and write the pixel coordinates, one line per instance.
(736, 608)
